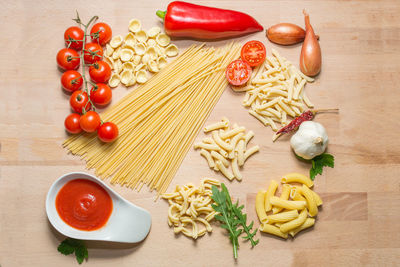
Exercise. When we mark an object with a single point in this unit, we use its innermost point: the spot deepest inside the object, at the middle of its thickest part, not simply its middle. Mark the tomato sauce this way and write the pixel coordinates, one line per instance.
(84, 204)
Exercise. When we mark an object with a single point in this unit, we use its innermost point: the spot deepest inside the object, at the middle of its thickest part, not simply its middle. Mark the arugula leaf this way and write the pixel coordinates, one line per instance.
(232, 217)
(70, 245)
(319, 162)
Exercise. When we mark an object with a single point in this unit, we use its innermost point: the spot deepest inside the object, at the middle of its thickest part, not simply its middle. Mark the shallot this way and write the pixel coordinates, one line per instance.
(310, 57)
(286, 34)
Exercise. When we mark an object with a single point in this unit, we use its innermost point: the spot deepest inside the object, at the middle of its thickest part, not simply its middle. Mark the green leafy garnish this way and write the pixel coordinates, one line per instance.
(319, 162)
(70, 245)
(231, 218)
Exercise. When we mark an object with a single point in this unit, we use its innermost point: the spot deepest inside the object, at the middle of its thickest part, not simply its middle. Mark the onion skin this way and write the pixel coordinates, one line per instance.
(286, 34)
(310, 56)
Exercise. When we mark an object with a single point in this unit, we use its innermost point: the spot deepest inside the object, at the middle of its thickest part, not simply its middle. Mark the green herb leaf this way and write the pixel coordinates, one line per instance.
(70, 245)
(232, 217)
(319, 162)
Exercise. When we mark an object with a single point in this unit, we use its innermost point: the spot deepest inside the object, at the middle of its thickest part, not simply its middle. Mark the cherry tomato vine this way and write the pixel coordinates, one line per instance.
(81, 101)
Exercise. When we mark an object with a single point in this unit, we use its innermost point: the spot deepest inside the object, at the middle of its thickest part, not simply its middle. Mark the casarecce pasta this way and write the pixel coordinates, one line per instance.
(190, 207)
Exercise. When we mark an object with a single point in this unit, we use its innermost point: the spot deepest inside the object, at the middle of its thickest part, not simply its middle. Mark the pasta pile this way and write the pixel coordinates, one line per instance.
(132, 56)
(190, 205)
(276, 90)
(293, 211)
(158, 121)
(228, 146)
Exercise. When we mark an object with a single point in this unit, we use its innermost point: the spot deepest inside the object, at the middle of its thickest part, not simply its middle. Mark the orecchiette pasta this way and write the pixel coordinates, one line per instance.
(116, 41)
(134, 25)
(137, 55)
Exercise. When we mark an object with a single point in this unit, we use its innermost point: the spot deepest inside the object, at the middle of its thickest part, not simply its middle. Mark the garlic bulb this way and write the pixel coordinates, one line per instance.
(310, 140)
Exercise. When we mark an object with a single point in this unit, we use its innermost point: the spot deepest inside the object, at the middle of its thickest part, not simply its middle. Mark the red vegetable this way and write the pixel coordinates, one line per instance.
(189, 20)
(71, 123)
(295, 123)
(107, 132)
(90, 121)
(238, 72)
(71, 80)
(253, 53)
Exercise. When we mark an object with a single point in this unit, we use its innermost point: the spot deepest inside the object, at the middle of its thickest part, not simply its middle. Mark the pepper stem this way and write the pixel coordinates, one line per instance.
(161, 14)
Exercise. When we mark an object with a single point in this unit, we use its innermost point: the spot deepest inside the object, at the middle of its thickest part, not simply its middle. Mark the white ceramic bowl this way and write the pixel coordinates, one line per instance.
(127, 223)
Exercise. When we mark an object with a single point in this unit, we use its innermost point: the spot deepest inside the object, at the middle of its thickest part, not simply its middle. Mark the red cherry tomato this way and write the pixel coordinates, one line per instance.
(107, 132)
(100, 72)
(71, 80)
(238, 72)
(73, 37)
(90, 121)
(101, 95)
(72, 124)
(253, 53)
(68, 59)
(101, 33)
(79, 100)
(91, 48)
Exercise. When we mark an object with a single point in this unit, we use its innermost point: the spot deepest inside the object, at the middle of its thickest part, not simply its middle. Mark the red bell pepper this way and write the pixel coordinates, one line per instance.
(189, 20)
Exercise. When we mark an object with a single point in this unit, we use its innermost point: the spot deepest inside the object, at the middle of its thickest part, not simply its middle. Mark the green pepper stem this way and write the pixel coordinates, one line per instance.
(161, 14)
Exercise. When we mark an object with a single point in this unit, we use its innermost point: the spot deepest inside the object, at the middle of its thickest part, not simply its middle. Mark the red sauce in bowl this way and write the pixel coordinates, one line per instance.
(84, 205)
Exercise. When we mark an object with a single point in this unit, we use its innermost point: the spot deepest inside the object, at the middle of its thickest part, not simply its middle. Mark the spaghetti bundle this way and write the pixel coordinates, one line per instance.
(158, 121)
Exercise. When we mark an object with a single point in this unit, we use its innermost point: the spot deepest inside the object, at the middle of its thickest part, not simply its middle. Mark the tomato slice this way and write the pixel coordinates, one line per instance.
(253, 53)
(238, 72)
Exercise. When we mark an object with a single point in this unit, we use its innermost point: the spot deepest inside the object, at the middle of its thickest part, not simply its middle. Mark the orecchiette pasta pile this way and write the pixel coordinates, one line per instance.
(191, 206)
(276, 91)
(227, 147)
(137, 54)
(293, 211)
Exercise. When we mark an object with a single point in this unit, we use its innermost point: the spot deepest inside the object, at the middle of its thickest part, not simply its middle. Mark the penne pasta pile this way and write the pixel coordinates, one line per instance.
(132, 57)
(191, 206)
(227, 147)
(276, 91)
(292, 211)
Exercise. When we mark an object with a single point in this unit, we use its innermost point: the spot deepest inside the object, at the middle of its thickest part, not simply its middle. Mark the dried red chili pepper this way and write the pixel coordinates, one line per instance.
(295, 123)
(189, 20)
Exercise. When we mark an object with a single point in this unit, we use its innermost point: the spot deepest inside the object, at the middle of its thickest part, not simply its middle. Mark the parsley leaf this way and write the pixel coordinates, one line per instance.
(319, 162)
(232, 217)
(70, 245)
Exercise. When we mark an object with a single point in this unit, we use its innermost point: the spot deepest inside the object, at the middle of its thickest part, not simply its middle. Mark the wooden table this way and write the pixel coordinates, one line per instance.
(359, 222)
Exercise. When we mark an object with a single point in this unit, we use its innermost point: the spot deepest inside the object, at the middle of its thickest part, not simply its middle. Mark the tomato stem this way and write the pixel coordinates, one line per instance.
(86, 26)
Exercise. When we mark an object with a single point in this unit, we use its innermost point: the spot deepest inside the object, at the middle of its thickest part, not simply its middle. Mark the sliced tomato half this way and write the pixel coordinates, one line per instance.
(238, 72)
(253, 52)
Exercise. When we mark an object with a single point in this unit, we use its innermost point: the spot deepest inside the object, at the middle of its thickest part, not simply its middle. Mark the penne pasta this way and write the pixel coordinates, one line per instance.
(270, 229)
(307, 224)
(260, 208)
(311, 204)
(287, 204)
(293, 224)
(297, 177)
(282, 217)
(270, 192)
(284, 195)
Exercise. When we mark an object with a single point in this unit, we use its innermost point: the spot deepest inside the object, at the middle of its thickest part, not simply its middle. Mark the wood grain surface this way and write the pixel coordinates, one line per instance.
(359, 222)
